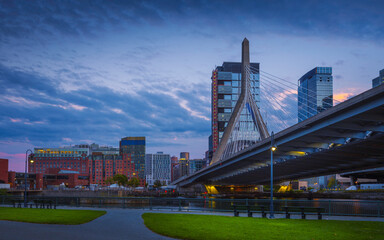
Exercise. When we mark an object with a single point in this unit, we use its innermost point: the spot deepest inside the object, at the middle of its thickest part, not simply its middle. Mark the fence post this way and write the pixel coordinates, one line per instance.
(123, 202)
(77, 202)
(150, 203)
(179, 205)
(378, 209)
(329, 207)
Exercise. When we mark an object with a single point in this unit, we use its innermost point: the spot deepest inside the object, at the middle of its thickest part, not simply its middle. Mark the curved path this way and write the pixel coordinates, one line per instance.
(116, 224)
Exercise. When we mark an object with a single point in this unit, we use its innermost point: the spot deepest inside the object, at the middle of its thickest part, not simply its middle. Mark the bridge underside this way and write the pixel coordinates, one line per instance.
(347, 137)
(362, 154)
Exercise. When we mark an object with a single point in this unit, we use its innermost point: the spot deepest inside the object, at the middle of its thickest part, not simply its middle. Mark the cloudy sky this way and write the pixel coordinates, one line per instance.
(76, 72)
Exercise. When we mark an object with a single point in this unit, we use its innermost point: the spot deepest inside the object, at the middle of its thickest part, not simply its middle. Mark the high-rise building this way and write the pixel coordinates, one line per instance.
(174, 162)
(184, 155)
(158, 167)
(196, 165)
(181, 169)
(315, 92)
(379, 80)
(226, 84)
(135, 147)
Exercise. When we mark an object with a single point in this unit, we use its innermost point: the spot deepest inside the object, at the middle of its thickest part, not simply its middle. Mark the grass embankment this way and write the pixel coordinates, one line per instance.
(190, 226)
(49, 216)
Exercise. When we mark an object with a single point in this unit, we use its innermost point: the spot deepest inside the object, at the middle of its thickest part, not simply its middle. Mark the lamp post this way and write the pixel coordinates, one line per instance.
(273, 148)
(25, 176)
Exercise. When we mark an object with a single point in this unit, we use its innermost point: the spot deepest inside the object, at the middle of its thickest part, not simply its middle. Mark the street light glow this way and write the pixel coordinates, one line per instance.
(273, 148)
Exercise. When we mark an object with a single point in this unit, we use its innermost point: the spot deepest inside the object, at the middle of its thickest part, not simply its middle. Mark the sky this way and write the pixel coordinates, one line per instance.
(75, 72)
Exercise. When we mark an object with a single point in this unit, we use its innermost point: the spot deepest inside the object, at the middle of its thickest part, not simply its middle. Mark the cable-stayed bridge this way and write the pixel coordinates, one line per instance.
(346, 137)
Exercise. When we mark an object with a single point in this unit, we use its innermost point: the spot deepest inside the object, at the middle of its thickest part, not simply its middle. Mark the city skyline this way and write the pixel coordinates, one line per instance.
(84, 72)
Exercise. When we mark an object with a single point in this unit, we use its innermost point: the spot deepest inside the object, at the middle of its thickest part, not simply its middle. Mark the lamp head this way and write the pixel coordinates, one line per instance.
(273, 148)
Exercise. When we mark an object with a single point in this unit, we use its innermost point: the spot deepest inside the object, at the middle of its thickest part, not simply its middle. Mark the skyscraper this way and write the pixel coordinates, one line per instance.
(135, 146)
(226, 80)
(379, 80)
(315, 92)
(184, 155)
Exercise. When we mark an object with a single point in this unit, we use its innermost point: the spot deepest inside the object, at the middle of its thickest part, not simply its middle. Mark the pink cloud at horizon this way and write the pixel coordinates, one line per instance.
(345, 94)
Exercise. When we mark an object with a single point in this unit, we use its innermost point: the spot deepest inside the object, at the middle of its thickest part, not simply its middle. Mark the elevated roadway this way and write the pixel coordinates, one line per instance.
(346, 137)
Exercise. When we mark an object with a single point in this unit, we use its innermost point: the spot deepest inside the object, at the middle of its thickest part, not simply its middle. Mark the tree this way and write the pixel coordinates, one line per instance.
(110, 181)
(331, 182)
(121, 179)
(157, 184)
(134, 182)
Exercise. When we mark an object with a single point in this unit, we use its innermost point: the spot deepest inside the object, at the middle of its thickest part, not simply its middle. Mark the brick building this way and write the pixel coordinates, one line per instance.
(62, 158)
(51, 179)
(3, 170)
(103, 166)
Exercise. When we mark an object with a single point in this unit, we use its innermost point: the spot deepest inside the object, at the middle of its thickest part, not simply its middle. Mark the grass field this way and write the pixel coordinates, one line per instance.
(190, 226)
(49, 216)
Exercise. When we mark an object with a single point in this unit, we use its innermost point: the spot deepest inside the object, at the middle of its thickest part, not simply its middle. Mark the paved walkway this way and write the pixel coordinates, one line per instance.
(116, 224)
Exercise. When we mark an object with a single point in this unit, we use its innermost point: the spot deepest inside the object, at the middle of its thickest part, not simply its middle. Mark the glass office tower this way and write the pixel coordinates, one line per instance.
(315, 92)
(226, 83)
(135, 147)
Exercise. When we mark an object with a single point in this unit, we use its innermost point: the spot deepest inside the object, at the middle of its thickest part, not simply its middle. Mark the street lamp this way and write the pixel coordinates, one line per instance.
(25, 175)
(273, 148)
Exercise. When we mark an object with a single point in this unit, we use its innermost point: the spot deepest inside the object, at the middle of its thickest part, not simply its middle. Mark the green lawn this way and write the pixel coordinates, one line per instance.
(49, 216)
(190, 226)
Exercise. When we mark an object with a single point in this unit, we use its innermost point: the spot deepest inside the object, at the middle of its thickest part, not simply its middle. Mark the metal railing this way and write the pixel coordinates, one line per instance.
(331, 207)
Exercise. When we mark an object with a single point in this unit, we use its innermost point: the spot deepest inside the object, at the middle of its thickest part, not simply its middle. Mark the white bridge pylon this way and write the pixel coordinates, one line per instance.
(237, 134)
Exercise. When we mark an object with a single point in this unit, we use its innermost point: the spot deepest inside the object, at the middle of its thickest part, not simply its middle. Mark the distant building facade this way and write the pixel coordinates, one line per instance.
(184, 155)
(158, 167)
(315, 92)
(174, 162)
(196, 165)
(52, 179)
(106, 150)
(379, 80)
(181, 169)
(135, 147)
(62, 158)
(104, 166)
(226, 84)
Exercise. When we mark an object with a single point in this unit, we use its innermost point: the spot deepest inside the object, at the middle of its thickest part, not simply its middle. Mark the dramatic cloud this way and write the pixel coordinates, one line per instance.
(94, 71)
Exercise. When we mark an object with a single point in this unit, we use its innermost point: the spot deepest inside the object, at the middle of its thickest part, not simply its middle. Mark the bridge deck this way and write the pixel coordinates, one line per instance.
(347, 137)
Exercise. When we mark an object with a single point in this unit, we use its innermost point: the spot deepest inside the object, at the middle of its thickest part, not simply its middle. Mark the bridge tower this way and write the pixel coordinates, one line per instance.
(231, 142)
